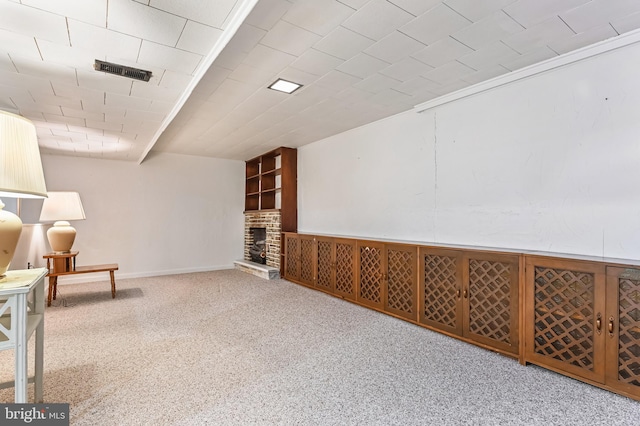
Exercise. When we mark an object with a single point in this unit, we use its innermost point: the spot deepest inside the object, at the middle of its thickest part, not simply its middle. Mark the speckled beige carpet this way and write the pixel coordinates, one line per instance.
(227, 348)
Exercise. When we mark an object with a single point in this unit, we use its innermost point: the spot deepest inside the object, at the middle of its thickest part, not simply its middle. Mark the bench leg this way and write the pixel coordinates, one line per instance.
(113, 285)
(52, 283)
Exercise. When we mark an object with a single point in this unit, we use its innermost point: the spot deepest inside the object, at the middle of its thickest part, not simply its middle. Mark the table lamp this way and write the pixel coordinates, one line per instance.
(21, 176)
(62, 206)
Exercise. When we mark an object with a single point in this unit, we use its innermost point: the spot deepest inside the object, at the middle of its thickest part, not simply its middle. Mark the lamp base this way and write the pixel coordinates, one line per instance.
(10, 229)
(61, 236)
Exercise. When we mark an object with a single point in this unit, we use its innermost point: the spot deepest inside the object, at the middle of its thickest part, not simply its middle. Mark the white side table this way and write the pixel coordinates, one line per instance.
(19, 318)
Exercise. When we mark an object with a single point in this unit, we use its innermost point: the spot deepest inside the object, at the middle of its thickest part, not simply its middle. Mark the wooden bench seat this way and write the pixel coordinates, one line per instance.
(87, 269)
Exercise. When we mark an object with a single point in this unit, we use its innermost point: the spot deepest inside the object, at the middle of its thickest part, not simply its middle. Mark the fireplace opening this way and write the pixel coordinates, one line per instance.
(258, 247)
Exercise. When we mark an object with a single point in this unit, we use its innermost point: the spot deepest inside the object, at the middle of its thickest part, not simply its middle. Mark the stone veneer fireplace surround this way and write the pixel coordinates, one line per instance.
(272, 222)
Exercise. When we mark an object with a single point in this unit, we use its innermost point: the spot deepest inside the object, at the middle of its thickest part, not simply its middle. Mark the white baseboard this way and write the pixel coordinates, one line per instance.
(104, 276)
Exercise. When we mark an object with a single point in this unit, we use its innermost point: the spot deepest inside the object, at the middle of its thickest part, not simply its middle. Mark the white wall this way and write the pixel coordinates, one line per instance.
(173, 213)
(548, 163)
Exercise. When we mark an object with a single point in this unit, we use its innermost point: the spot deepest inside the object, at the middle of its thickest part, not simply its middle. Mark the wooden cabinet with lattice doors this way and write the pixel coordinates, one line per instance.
(565, 318)
(622, 330)
(440, 289)
(336, 266)
(473, 296)
(299, 258)
(400, 287)
(371, 273)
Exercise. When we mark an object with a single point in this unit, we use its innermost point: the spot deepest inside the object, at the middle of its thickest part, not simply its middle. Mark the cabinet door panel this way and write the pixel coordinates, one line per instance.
(401, 283)
(491, 301)
(345, 268)
(441, 289)
(371, 256)
(623, 339)
(306, 260)
(292, 254)
(325, 267)
(565, 298)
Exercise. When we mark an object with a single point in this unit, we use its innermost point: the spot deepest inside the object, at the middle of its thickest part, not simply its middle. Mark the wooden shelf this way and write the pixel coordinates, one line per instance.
(271, 184)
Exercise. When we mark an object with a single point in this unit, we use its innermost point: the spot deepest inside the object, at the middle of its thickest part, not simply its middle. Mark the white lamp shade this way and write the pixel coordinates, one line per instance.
(62, 205)
(21, 174)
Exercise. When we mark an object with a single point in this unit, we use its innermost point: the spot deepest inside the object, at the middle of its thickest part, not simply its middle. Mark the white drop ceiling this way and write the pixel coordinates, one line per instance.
(358, 61)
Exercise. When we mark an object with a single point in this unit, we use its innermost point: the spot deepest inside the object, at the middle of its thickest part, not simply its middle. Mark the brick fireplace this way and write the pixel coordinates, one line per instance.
(272, 222)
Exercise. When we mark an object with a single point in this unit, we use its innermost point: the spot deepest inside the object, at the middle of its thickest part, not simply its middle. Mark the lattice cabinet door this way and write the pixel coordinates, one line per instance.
(621, 326)
(491, 299)
(565, 318)
(307, 259)
(326, 264)
(371, 273)
(440, 289)
(401, 285)
(346, 268)
(292, 257)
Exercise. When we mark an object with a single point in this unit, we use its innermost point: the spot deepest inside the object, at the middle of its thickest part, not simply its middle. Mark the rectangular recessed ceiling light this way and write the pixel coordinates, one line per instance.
(285, 86)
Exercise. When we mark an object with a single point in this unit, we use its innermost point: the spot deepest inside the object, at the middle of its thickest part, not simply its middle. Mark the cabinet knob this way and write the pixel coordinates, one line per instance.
(458, 293)
(610, 326)
(465, 294)
(599, 323)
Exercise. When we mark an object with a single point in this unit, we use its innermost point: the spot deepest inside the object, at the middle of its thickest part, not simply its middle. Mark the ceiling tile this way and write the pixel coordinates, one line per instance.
(117, 100)
(598, 12)
(393, 98)
(406, 69)
(442, 52)
(70, 112)
(531, 12)
(316, 62)
(266, 13)
(488, 30)
(626, 23)
(475, 10)
(143, 89)
(586, 38)
(487, 57)
(343, 43)
(172, 80)
(377, 19)
(362, 65)
(251, 75)
(6, 64)
(53, 100)
(486, 74)
(318, 17)
(377, 83)
(10, 41)
(289, 38)
(435, 24)
(269, 59)
(103, 42)
(540, 54)
(337, 80)
(65, 120)
(198, 38)
(69, 56)
(539, 35)
(416, 7)
(449, 73)
(35, 85)
(208, 12)
(298, 76)
(145, 22)
(394, 47)
(354, 4)
(92, 12)
(416, 86)
(39, 68)
(33, 22)
(166, 57)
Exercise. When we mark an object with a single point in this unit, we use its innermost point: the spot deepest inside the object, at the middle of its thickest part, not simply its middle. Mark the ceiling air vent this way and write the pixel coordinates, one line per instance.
(135, 73)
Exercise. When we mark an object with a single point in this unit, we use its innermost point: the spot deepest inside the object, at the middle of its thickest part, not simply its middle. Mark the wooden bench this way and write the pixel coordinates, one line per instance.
(65, 264)
(53, 277)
